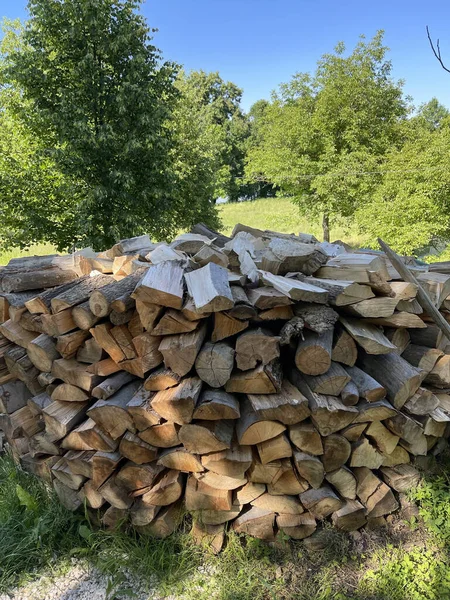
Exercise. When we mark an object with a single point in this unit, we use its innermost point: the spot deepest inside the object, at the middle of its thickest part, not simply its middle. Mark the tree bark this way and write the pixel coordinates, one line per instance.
(326, 227)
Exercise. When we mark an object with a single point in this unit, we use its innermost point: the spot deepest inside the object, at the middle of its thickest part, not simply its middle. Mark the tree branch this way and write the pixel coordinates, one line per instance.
(437, 51)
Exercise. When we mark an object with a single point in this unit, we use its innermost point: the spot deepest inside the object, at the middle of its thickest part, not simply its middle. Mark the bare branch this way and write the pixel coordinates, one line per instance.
(437, 51)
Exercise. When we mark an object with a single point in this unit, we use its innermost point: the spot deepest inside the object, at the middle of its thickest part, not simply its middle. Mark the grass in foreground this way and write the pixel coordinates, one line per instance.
(409, 561)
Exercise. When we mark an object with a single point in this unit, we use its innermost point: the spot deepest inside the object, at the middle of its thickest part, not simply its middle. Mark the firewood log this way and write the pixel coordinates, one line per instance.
(368, 388)
(59, 323)
(68, 498)
(350, 394)
(134, 477)
(209, 288)
(289, 505)
(232, 462)
(309, 468)
(141, 411)
(252, 429)
(343, 481)
(306, 438)
(203, 437)
(336, 452)
(399, 319)
(242, 308)
(164, 435)
(62, 472)
(350, 517)
(368, 336)
(110, 386)
(214, 405)
(177, 404)
(103, 465)
(180, 351)
(344, 348)
(111, 415)
(136, 450)
(399, 337)
(313, 355)
(321, 502)
(422, 403)
(115, 494)
(13, 395)
(168, 488)
(180, 459)
(79, 292)
(298, 527)
(88, 436)
(289, 483)
(66, 392)
(68, 344)
(375, 495)
(354, 431)
(161, 379)
(365, 455)
(380, 306)
(226, 326)
(200, 496)
(92, 496)
(256, 522)
(353, 267)
(289, 406)
(400, 477)
(214, 363)
(83, 317)
(274, 449)
(295, 289)
(256, 346)
(220, 482)
(17, 334)
(73, 372)
(61, 417)
(104, 368)
(382, 437)
(162, 284)
(374, 411)
(265, 379)
(400, 379)
(149, 314)
(332, 382)
(210, 537)
(115, 519)
(439, 376)
(173, 322)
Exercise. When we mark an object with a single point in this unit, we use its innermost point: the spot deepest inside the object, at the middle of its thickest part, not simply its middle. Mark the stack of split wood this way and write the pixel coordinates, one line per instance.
(262, 382)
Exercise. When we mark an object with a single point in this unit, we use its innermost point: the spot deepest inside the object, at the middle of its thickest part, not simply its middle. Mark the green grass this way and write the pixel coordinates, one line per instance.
(409, 561)
(280, 214)
(35, 249)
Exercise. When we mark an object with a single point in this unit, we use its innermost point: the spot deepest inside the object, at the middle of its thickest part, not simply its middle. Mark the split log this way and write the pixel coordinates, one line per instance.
(256, 346)
(400, 379)
(83, 317)
(73, 372)
(422, 357)
(61, 417)
(353, 432)
(249, 492)
(400, 477)
(180, 351)
(66, 392)
(17, 334)
(274, 449)
(90, 352)
(285, 254)
(104, 368)
(215, 405)
(115, 494)
(149, 314)
(290, 483)
(286, 505)
(164, 435)
(180, 459)
(92, 496)
(232, 462)
(14, 395)
(265, 298)
(306, 438)
(374, 411)
(400, 319)
(141, 410)
(177, 404)
(344, 349)
(439, 376)
(332, 382)
(354, 267)
(309, 468)
(265, 379)
(298, 527)
(167, 489)
(385, 441)
(321, 502)
(111, 415)
(374, 308)
(136, 450)
(67, 345)
(365, 455)
(269, 473)
(220, 482)
(199, 496)
(161, 379)
(294, 289)
(110, 386)
(162, 284)
(343, 481)
(214, 363)
(209, 288)
(342, 293)
(59, 323)
(103, 465)
(370, 337)
(203, 437)
(289, 406)
(350, 517)
(42, 352)
(399, 337)
(226, 326)
(256, 522)
(88, 436)
(242, 308)
(104, 338)
(210, 537)
(336, 452)
(252, 429)
(134, 477)
(68, 498)
(173, 322)
(313, 355)
(422, 403)
(165, 522)
(375, 495)
(350, 394)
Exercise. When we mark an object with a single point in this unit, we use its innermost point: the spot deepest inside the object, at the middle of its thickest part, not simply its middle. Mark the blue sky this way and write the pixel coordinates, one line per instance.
(260, 43)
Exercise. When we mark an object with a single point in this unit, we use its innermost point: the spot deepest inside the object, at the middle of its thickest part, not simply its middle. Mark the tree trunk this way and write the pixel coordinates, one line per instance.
(326, 227)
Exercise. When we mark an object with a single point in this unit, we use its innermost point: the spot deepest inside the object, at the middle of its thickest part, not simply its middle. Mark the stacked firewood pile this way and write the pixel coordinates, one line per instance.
(264, 381)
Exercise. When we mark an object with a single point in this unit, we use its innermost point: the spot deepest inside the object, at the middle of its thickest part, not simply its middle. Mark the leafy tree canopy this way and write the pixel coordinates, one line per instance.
(324, 131)
(101, 100)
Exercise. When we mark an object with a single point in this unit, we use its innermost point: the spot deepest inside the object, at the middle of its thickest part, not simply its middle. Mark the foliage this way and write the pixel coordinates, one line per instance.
(323, 132)
(217, 103)
(411, 207)
(431, 114)
(101, 101)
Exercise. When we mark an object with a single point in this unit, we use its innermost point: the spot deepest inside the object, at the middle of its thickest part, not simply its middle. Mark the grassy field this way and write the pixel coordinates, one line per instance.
(278, 214)
(407, 561)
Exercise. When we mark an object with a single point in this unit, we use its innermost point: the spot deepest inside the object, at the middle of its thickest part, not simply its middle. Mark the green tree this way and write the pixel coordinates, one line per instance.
(99, 97)
(411, 207)
(33, 191)
(323, 132)
(431, 114)
(219, 102)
